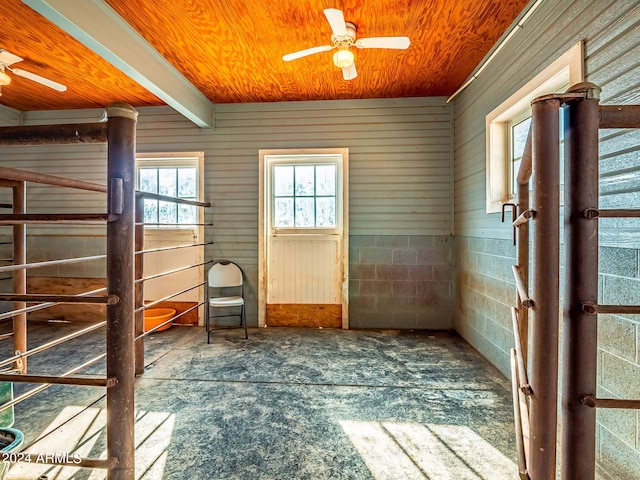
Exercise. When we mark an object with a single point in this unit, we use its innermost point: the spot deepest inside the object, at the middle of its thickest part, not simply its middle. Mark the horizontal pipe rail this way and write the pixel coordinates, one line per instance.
(6, 205)
(46, 218)
(4, 336)
(522, 288)
(171, 272)
(157, 302)
(50, 263)
(167, 198)
(517, 417)
(51, 344)
(83, 381)
(42, 306)
(54, 134)
(37, 297)
(44, 386)
(524, 384)
(589, 307)
(619, 116)
(158, 327)
(594, 402)
(524, 217)
(176, 225)
(526, 164)
(175, 247)
(612, 213)
(45, 179)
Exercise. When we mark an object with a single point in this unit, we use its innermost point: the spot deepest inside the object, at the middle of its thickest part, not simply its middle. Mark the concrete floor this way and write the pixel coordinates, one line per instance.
(285, 404)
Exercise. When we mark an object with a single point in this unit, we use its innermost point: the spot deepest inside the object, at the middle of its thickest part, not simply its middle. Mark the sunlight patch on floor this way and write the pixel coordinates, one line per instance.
(433, 452)
(85, 435)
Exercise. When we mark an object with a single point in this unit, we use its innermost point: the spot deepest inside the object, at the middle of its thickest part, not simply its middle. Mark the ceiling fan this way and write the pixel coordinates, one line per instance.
(7, 59)
(343, 37)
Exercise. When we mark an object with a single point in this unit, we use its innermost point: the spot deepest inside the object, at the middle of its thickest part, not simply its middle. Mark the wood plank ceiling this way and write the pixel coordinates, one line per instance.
(231, 50)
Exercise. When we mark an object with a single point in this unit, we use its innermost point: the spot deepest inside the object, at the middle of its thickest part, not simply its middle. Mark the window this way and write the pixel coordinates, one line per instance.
(173, 177)
(508, 125)
(304, 196)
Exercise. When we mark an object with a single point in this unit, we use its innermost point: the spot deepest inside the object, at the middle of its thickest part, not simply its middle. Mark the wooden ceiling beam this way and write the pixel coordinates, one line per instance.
(100, 28)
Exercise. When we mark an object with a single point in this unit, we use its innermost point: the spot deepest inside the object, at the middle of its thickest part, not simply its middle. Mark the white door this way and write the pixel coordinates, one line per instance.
(304, 241)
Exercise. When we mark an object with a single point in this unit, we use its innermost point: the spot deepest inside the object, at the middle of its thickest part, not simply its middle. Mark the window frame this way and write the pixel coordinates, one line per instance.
(315, 195)
(567, 70)
(174, 160)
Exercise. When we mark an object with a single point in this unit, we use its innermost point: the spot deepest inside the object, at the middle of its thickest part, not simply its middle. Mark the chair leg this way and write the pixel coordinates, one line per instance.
(243, 318)
(206, 322)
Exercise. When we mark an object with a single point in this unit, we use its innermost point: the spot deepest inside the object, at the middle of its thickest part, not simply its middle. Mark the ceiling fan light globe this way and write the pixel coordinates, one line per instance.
(343, 58)
(4, 78)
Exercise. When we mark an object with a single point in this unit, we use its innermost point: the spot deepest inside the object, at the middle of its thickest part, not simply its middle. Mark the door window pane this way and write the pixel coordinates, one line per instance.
(304, 180)
(304, 196)
(283, 180)
(325, 180)
(325, 212)
(305, 214)
(283, 212)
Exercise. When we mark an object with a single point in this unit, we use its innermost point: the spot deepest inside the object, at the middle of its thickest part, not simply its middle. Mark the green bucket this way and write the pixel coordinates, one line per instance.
(10, 438)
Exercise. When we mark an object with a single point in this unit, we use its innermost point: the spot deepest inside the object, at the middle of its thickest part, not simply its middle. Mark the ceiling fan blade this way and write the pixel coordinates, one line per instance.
(336, 20)
(399, 43)
(349, 73)
(8, 58)
(37, 78)
(304, 53)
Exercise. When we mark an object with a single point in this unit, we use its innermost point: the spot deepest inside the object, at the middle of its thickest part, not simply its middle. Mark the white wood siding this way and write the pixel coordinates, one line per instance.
(612, 51)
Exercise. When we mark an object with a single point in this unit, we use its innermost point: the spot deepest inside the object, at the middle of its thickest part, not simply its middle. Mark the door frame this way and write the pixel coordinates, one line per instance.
(263, 229)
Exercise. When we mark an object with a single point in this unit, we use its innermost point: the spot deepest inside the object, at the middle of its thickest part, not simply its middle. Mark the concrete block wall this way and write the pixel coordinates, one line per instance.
(618, 446)
(486, 292)
(401, 281)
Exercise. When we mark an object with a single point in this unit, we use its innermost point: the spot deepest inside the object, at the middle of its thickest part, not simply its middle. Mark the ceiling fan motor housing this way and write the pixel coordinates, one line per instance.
(345, 40)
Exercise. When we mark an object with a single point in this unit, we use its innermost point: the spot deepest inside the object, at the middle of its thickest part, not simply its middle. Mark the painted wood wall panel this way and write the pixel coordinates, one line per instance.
(612, 50)
(400, 159)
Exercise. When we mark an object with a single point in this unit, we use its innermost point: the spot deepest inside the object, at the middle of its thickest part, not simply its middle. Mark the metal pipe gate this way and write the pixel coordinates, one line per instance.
(536, 400)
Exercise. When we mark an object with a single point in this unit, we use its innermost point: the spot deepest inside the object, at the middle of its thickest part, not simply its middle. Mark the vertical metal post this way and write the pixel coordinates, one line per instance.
(120, 274)
(139, 289)
(522, 261)
(546, 286)
(577, 456)
(20, 276)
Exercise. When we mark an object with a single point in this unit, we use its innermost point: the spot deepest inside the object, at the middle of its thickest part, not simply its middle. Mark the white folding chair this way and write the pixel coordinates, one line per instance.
(225, 290)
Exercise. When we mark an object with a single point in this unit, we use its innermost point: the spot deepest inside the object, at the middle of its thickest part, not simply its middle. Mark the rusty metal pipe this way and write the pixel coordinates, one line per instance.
(46, 179)
(121, 161)
(517, 418)
(47, 218)
(619, 213)
(619, 116)
(593, 402)
(175, 247)
(20, 276)
(522, 260)
(54, 134)
(545, 144)
(51, 344)
(44, 386)
(84, 381)
(523, 384)
(38, 297)
(50, 263)
(524, 172)
(139, 285)
(170, 199)
(523, 294)
(580, 342)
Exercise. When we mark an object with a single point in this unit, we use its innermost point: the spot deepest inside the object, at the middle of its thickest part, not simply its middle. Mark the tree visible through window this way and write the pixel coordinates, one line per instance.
(181, 182)
(304, 196)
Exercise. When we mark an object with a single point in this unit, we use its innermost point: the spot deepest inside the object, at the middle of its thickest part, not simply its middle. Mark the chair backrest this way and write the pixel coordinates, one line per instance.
(225, 274)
